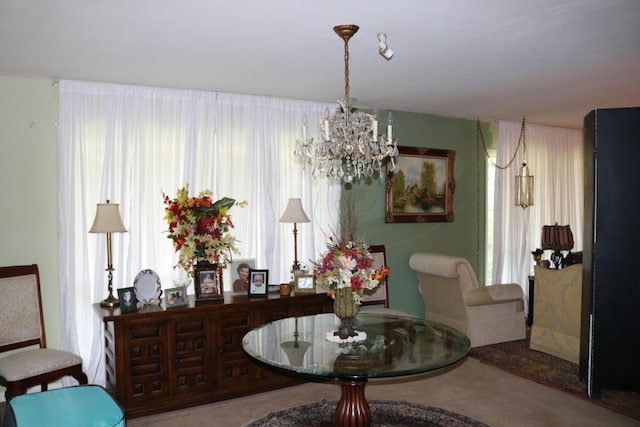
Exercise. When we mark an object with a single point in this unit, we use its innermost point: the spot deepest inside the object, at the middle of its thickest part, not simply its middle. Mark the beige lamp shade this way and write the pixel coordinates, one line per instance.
(294, 212)
(108, 219)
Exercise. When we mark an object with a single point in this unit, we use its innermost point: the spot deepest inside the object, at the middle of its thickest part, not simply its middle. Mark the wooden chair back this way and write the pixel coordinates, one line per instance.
(20, 308)
(380, 295)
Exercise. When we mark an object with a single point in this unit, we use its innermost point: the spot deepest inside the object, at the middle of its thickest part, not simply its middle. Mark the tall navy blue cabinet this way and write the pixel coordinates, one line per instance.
(610, 328)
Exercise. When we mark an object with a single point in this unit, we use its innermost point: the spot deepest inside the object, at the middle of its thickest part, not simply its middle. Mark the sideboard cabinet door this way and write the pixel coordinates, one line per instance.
(190, 358)
(234, 371)
(143, 356)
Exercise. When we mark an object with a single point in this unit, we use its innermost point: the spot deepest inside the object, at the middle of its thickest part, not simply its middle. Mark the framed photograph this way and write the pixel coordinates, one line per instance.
(176, 297)
(127, 300)
(304, 284)
(258, 282)
(207, 282)
(240, 269)
(421, 187)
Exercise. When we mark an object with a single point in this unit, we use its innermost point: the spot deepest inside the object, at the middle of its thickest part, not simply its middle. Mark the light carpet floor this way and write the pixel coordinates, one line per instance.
(472, 388)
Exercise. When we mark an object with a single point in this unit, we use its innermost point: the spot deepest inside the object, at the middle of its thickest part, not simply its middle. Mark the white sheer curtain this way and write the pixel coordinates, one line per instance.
(130, 144)
(555, 159)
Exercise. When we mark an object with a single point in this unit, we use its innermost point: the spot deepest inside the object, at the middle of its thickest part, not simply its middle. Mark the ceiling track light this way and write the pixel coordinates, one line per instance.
(384, 50)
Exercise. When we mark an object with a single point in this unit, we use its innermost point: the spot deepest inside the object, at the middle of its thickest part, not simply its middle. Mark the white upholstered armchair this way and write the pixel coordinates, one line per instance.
(452, 296)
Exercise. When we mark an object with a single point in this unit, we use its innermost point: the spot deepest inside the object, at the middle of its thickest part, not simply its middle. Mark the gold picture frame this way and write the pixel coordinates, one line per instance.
(421, 187)
(304, 284)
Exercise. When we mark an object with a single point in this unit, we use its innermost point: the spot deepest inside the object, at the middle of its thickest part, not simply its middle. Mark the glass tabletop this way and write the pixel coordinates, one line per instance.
(394, 346)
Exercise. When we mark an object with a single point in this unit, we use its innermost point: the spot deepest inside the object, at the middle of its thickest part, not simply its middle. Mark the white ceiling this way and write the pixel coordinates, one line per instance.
(551, 61)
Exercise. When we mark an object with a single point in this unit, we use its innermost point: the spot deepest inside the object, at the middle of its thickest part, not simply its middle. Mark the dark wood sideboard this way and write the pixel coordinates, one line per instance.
(161, 359)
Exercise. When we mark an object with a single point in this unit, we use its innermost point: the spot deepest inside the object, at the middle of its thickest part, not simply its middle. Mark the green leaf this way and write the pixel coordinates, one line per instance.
(225, 202)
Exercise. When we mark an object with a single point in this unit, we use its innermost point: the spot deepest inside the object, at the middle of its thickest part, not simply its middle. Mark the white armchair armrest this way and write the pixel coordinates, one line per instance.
(495, 294)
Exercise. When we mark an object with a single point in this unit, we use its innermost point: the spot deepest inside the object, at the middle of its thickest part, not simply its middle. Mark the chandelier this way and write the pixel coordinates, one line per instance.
(349, 146)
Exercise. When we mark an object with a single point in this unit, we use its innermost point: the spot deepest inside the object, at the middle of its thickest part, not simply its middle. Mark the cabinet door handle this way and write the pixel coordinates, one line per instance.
(175, 359)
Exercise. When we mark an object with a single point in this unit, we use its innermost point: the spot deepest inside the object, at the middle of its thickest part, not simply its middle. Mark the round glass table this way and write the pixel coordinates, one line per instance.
(387, 346)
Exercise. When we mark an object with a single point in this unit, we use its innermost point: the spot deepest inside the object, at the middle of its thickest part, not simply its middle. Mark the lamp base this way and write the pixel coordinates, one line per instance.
(558, 259)
(110, 302)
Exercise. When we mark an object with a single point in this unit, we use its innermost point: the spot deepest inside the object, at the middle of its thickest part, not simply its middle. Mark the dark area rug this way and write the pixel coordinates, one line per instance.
(517, 358)
(384, 413)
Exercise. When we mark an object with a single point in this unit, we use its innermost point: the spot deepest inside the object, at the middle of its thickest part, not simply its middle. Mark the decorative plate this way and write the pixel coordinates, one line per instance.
(148, 287)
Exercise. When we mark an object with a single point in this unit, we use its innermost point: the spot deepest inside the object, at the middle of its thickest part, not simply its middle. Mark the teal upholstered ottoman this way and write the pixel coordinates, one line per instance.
(81, 406)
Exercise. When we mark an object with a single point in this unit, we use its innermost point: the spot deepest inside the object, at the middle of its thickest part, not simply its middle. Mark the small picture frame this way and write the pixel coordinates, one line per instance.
(258, 282)
(127, 300)
(176, 297)
(304, 284)
(207, 282)
(240, 269)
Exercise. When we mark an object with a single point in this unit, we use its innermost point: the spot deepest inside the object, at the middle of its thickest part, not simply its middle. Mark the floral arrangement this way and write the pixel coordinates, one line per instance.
(199, 228)
(348, 264)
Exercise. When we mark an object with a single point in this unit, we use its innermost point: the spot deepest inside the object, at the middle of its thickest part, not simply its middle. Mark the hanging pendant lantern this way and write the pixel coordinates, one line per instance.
(524, 181)
(524, 188)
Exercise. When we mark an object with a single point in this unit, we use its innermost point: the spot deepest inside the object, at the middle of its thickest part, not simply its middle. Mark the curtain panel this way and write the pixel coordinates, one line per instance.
(131, 144)
(555, 159)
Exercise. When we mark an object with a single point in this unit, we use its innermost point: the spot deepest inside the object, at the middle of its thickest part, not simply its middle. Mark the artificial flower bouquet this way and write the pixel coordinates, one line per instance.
(348, 264)
(199, 228)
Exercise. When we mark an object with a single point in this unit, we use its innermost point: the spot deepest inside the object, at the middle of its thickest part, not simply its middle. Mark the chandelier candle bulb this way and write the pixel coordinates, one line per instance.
(326, 127)
(375, 128)
(390, 128)
(304, 128)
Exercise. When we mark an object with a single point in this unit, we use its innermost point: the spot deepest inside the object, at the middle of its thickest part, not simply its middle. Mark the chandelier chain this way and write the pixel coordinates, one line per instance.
(521, 141)
(346, 72)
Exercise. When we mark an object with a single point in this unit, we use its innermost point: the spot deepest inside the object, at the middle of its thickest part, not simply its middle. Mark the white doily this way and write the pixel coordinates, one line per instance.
(360, 336)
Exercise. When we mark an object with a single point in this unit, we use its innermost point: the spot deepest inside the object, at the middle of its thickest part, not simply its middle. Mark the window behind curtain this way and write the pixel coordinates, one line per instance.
(555, 159)
(130, 144)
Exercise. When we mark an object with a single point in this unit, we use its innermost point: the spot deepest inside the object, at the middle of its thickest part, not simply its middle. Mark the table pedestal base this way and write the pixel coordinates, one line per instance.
(353, 409)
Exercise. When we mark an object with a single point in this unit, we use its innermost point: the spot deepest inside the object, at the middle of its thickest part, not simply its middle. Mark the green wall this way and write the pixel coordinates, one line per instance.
(459, 237)
(29, 182)
(28, 173)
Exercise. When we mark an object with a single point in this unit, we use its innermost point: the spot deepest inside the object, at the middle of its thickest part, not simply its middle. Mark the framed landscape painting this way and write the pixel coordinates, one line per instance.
(421, 187)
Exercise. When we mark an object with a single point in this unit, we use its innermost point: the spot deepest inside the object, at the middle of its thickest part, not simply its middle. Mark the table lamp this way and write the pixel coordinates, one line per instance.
(108, 221)
(294, 214)
(557, 238)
